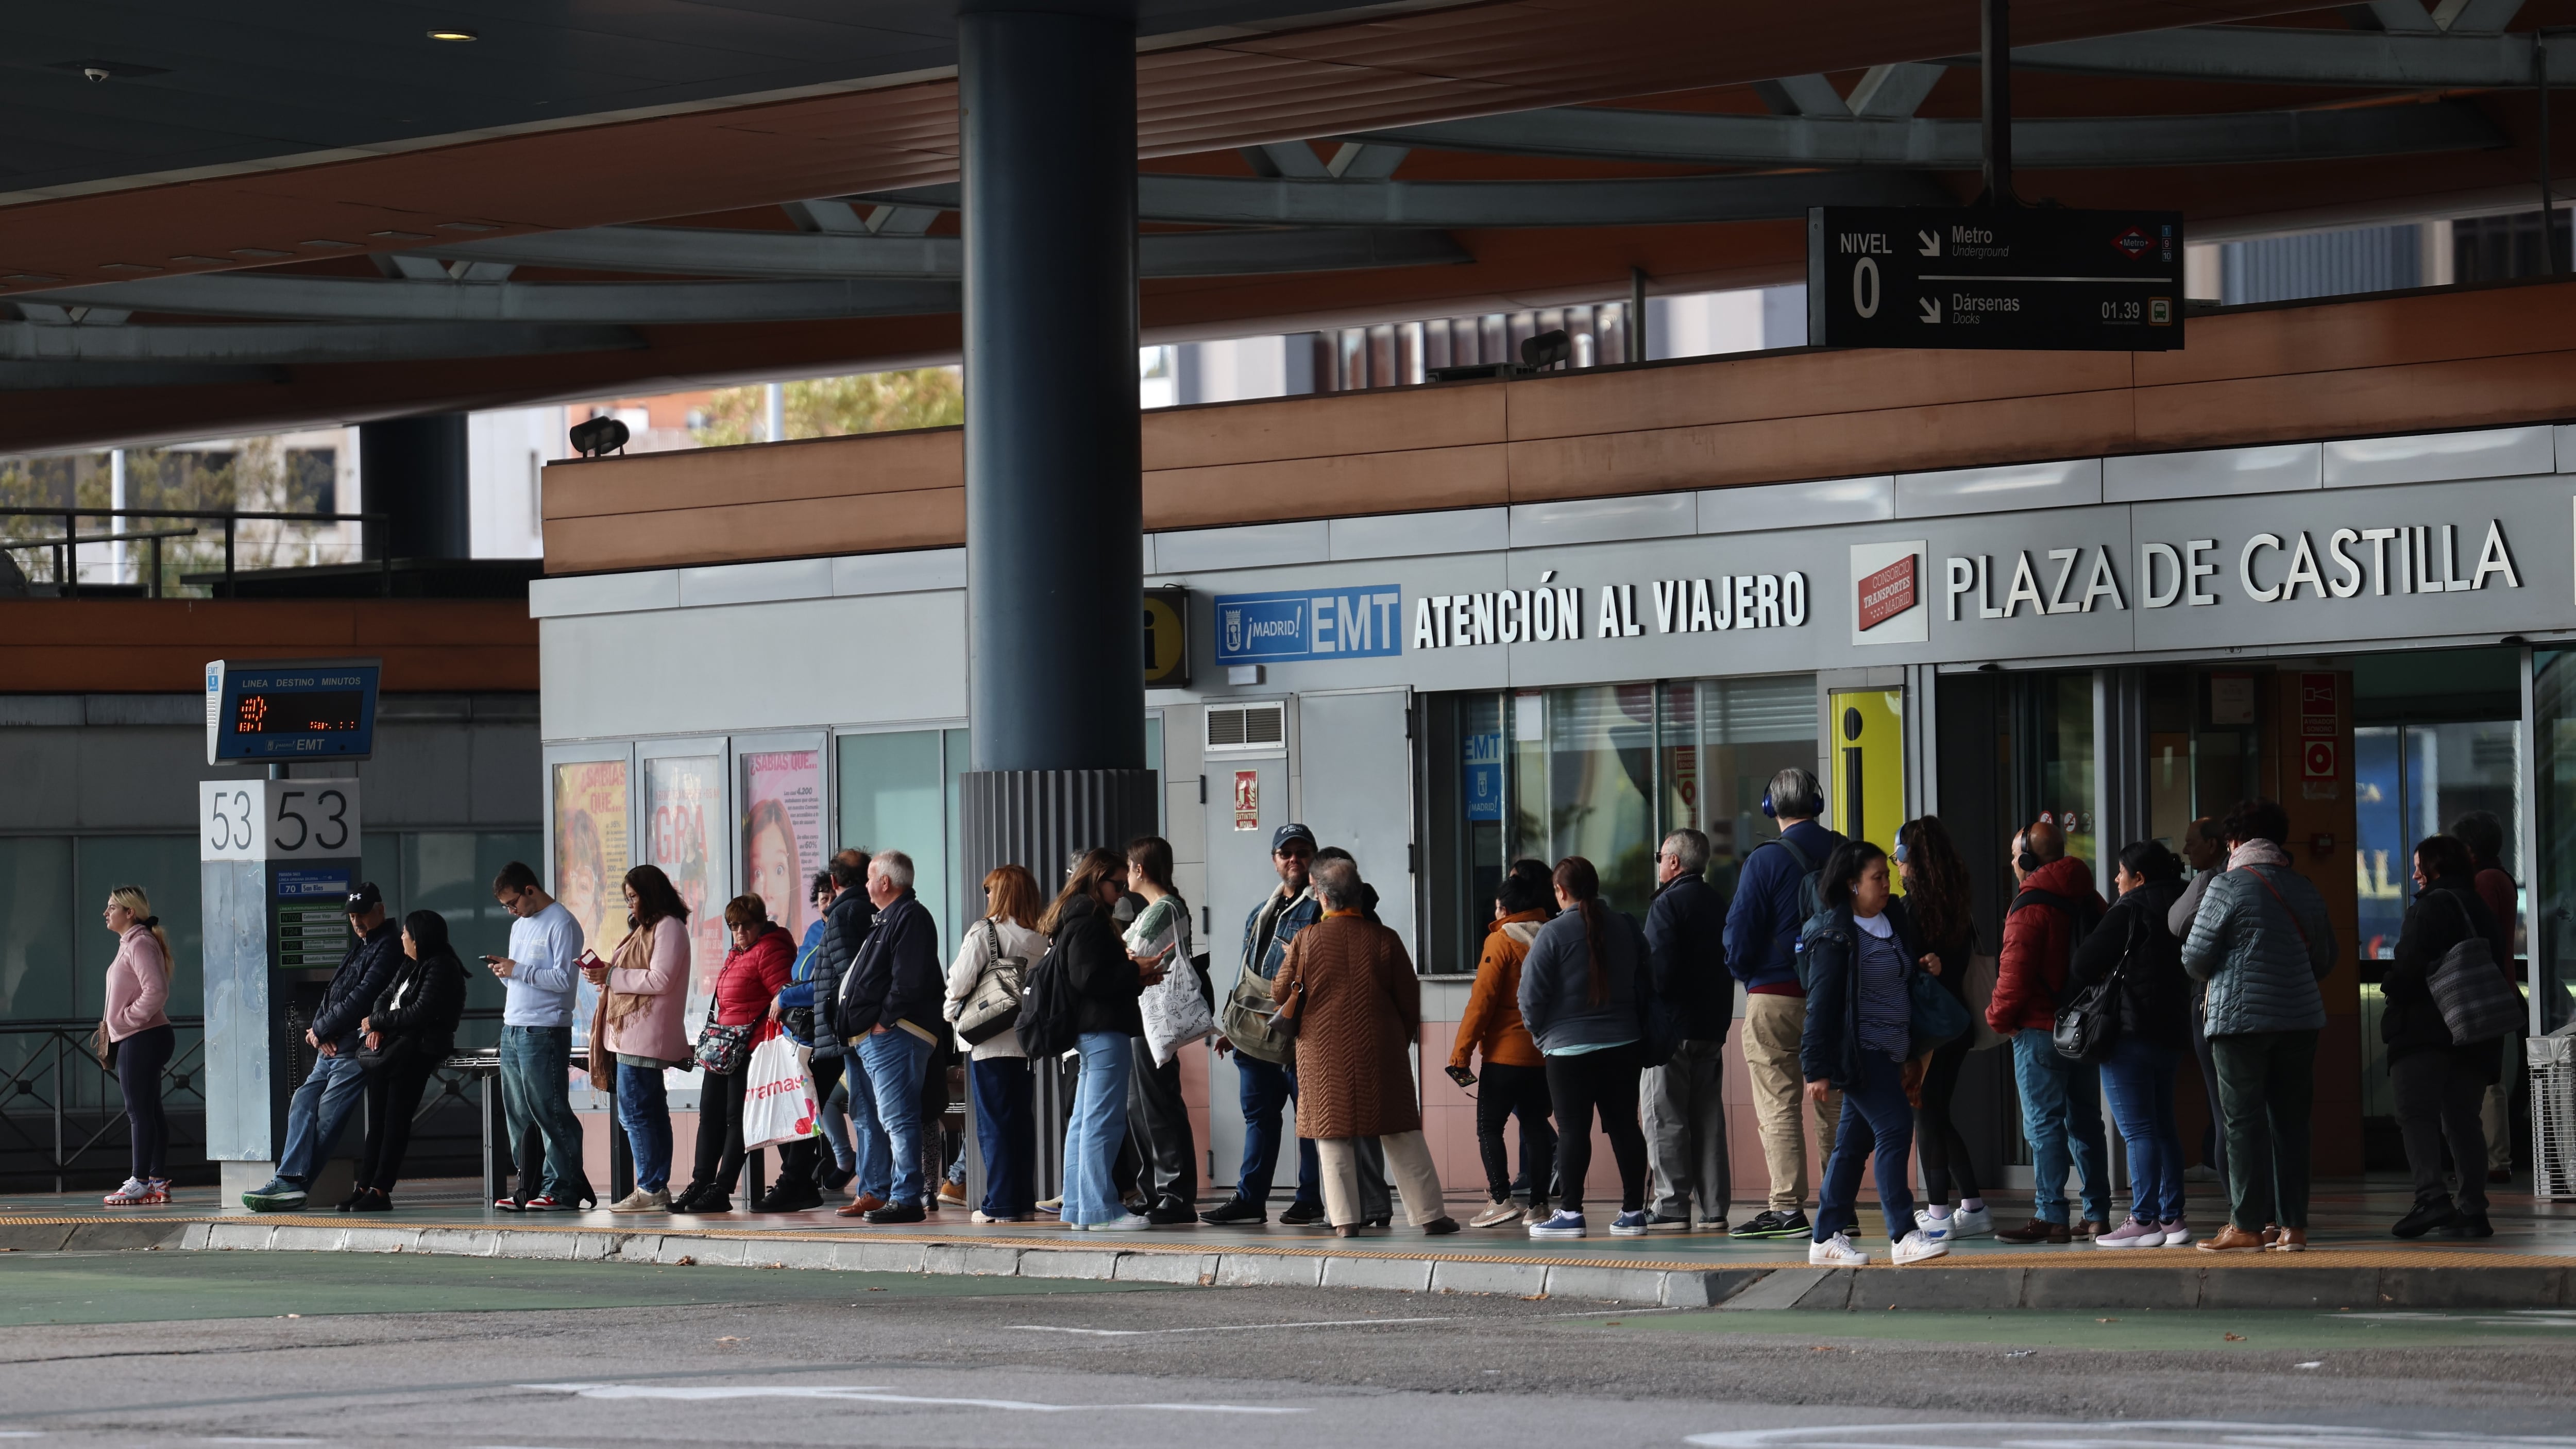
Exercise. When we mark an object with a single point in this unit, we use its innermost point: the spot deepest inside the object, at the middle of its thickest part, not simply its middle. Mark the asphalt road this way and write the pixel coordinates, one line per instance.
(295, 1350)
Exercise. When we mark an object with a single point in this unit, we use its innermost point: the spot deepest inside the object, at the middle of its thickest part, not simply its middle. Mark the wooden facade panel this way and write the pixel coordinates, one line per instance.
(1471, 477)
(1842, 445)
(795, 528)
(2425, 327)
(1796, 384)
(697, 479)
(2421, 397)
(1391, 420)
(160, 646)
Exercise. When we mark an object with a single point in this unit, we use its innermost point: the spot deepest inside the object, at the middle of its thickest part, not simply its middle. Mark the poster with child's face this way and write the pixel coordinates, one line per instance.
(684, 807)
(782, 832)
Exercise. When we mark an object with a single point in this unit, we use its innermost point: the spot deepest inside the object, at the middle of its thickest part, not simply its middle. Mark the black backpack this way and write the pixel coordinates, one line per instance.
(1811, 894)
(1047, 1001)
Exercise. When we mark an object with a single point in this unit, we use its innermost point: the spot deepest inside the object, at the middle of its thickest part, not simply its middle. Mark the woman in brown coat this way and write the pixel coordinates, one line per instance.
(1358, 1007)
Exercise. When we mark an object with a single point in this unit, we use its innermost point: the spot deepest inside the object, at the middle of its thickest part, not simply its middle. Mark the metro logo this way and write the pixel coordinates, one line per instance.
(2134, 243)
(1885, 594)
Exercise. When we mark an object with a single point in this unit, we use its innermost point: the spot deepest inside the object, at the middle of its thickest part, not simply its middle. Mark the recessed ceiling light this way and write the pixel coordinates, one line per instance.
(467, 226)
(450, 33)
(201, 261)
(401, 235)
(259, 252)
(327, 242)
(32, 277)
(125, 267)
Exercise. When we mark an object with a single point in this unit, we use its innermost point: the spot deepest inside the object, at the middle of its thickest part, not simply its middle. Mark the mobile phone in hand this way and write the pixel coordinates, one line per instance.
(1462, 1076)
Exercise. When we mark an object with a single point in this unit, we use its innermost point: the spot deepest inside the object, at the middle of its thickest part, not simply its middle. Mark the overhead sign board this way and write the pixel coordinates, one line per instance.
(2021, 277)
(322, 709)
(1331, 623)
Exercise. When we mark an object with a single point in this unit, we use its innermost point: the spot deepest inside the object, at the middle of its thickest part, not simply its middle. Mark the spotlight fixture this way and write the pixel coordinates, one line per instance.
(598, 436)
(1547, 349)
(451, 33)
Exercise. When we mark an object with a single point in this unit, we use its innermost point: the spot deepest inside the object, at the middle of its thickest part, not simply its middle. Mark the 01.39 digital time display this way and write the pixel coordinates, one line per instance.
(299, 712)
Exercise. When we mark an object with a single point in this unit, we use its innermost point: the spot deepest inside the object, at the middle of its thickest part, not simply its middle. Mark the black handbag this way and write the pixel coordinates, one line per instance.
(2088, 1025)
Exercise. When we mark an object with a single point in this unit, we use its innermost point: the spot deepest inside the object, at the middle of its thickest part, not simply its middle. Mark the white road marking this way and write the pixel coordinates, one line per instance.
(2130, 1434)
(1225, 1327)
(871, 1395)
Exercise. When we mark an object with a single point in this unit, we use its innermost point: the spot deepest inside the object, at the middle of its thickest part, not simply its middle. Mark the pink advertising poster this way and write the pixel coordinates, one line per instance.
(684, 807)
(590, 863)
(782, 832)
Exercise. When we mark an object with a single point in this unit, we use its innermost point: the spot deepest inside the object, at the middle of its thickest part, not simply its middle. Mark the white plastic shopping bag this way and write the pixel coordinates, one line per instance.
(778, 1100)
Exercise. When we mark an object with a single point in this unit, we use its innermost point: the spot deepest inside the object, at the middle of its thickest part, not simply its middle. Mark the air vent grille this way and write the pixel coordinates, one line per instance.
(1247, 727)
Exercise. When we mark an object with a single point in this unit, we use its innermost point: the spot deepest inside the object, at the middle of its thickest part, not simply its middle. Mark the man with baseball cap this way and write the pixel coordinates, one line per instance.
(330, 1092)
(1266, 1087)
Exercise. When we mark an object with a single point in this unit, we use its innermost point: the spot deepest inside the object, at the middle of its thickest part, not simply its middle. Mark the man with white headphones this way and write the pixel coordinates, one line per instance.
(1774, 894)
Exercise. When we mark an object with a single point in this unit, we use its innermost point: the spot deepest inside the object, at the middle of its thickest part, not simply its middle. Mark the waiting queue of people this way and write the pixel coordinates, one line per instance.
(1578, 1014)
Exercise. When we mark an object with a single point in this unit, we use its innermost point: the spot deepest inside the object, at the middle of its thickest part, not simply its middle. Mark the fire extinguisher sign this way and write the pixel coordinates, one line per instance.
(2320, 735)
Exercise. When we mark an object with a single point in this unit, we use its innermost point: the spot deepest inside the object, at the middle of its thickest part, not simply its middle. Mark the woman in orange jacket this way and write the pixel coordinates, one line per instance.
(1515, 1075)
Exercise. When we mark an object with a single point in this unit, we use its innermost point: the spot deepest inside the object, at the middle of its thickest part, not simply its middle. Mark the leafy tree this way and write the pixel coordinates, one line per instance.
(832, 407)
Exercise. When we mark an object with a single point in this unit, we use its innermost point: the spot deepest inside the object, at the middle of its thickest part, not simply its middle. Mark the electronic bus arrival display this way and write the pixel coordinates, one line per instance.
(321, 709)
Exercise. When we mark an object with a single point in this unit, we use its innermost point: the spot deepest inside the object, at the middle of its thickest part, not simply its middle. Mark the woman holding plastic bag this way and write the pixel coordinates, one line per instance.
(758, 965)
(1177, 1012)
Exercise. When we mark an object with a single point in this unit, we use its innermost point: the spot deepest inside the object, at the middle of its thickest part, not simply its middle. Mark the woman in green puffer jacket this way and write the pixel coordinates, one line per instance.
(2262, 941)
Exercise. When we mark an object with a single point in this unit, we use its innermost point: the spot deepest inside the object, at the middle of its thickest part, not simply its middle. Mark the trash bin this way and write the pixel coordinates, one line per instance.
(2552, 1060)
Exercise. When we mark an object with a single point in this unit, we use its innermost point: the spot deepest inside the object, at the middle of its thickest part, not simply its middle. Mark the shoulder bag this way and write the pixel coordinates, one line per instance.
(2088, 1025)
(1249, 1020)
(994, 1006)
(2476, 1001)
(722, 1049)
(1936, 1016)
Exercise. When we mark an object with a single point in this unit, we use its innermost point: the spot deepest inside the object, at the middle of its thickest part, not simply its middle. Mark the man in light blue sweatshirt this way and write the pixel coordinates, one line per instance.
(539, 976)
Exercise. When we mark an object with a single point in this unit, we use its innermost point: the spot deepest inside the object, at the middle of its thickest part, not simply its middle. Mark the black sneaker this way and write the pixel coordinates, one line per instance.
(2472, 1225)
(1665, 1223)
(1234, 1212)
(2424, 1219)
(791, 1195)
(1171, 1212)
(350, 1203)
(372, 1201)
(900, 1212)
(835, 1177)
(1771, 1223)
(1302, 1215)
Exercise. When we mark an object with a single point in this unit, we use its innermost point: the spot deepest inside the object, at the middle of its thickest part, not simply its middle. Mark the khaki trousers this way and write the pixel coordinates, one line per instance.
(1772, 1028)
(1408, 1162)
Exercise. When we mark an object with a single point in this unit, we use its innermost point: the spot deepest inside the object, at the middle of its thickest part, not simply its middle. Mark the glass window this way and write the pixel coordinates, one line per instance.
(36, 929)
(966, 897)
(450, 872)
(1600, 771)
(165, 866)
(894, 792)
(2416, 780)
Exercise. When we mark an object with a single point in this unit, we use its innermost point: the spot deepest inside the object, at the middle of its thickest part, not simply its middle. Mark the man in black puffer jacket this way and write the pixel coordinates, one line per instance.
(1685, 1098)
(321, 1106)
(888, 1013)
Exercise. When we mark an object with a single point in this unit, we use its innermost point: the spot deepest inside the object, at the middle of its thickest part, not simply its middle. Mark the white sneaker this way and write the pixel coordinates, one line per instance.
(1837, 1252)
(1918, 1245)
(1131, 1223)
(1930, 1226)
(1966, 1224)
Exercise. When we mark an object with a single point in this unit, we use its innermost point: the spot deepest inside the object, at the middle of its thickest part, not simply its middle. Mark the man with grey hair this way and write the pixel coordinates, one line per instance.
(1762, 924)
(889, 1013)
(1685, 1098)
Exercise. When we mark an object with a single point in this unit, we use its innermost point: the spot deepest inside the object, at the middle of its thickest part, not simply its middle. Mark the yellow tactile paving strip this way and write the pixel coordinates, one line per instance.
(2448, 1256)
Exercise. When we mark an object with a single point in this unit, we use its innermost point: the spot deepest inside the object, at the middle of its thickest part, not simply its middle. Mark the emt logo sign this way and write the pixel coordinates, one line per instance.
(1309, 624)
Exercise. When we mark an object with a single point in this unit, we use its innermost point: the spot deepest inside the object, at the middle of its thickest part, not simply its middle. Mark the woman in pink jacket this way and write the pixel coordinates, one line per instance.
(139, 1038)
(640, 1028)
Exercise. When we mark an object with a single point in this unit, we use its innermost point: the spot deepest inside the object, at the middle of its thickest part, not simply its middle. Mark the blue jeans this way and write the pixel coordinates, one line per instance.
(869, 1162)
(316, 1113)
(2139, 1080)
(1099, 1124)
(644, 1110)
(1266, 1091)
(536, 1086)
(2061, 1115)
(1877, 1121)
(893, 1059)
(1006, 1128)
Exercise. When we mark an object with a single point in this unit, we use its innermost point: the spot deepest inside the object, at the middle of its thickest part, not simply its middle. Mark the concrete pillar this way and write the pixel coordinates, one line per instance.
(415, 469)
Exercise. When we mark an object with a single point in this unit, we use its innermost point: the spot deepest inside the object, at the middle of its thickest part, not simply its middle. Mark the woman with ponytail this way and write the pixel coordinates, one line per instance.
(1579, 999)
(136, 1038)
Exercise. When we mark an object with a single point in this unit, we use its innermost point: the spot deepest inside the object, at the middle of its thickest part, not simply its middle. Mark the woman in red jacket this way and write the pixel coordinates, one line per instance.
(755, 969)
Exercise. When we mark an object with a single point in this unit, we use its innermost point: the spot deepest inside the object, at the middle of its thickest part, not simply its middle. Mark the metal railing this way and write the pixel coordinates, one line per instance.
(59, 1062)
(66, 548)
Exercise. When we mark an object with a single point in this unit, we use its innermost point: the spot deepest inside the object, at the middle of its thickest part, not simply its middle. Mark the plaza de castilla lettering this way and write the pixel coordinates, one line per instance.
(2270, 569)
(1545, 614)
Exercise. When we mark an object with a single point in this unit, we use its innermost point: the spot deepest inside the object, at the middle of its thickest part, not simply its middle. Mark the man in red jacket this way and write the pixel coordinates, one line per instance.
(2061, 1102)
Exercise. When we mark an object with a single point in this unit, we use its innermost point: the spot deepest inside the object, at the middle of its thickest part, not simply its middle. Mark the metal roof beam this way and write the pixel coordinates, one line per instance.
(304, 298)
(1738, 140)
(116, 348)
(1659, 201)
(716, 252)
(2261, 55)
(1894, 92)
